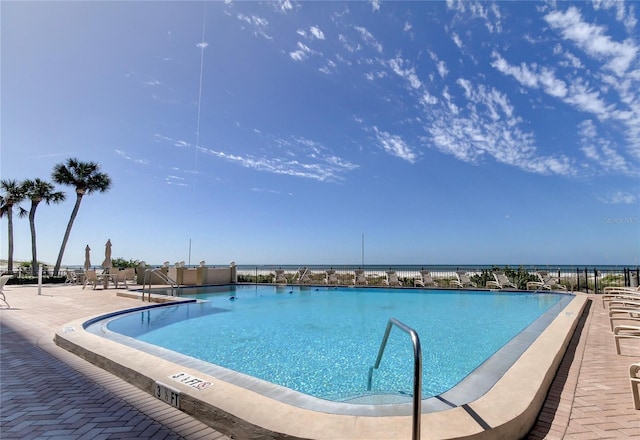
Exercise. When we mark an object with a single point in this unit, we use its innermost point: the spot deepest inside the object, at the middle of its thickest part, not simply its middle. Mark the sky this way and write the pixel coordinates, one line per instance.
(319, 132)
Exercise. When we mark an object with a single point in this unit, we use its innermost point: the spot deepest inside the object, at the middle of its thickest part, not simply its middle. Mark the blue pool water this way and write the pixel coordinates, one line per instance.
(322, 341)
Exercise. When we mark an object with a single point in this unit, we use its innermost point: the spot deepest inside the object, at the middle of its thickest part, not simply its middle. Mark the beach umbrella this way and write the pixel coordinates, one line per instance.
(87, 258)
(106, 264)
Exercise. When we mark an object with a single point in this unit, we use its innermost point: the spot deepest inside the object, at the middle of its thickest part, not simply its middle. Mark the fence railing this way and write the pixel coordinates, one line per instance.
(590, 280)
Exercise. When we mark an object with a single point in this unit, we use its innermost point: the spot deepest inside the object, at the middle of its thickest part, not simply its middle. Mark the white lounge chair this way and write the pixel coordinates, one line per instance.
(625, 332)
(463, 280)
(304, 276)
(130, 275)
(71, 277)
(614, 295)
(424, 280)
(547, 282)
(622, 288)
(280, 278)
(361, 279)
(331, 277)
(91, 277)
(392, 279)
(624, 302)
(501, 281)
(3, 281)
(121, 277)
(623, 314)
(634, 377)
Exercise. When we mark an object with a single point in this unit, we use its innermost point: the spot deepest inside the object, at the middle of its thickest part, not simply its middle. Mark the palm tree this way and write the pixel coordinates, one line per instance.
(13, 194)
(86, 178)
(38, 190)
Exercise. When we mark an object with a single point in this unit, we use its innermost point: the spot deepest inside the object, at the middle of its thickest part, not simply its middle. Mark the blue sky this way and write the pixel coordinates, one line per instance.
(281, 132)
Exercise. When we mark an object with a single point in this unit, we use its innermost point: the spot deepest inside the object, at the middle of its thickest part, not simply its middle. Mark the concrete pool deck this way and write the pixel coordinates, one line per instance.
(589, 397)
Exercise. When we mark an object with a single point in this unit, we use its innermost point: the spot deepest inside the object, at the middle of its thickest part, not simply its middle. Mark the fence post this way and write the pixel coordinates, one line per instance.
(577, 279)
(627, 277)
(595, 280)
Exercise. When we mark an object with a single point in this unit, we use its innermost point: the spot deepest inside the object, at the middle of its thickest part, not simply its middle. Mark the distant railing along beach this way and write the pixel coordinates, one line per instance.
(592, 280)
(574, 278)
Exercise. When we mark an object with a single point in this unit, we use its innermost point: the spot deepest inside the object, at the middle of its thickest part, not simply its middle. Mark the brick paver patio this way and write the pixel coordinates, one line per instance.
(46, 392)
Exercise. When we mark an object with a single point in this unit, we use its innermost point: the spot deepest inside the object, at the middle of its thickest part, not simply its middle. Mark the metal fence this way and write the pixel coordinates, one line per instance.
(583, 279)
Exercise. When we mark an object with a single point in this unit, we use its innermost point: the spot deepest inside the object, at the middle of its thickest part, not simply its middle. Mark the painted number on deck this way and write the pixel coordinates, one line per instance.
(192, 381)
(168, 394)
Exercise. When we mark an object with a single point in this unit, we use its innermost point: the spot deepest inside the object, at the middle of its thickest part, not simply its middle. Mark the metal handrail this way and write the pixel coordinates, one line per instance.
(417, 370)
(162, 276)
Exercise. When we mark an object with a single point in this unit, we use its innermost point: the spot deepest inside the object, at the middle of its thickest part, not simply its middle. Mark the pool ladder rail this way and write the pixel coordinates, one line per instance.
(417, 370)
(164, 277)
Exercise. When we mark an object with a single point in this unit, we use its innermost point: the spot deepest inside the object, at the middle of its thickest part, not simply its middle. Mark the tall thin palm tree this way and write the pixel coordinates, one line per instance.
(87, 179)
(37, 191)
(12, 195)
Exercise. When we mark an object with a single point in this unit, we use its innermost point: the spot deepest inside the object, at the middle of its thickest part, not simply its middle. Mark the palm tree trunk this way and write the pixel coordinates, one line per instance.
(10, 239)
(67, 233)
(32, 225)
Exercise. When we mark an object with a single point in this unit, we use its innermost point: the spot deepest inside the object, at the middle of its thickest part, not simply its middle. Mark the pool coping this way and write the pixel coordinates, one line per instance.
(508, 410)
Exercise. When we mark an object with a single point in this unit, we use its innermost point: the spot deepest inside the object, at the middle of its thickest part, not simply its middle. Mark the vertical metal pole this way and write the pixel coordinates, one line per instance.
(626, 277)
(586, 280)
(189, 252)
(363, 250)
(39, 279)
(417, 371)
(595, 280)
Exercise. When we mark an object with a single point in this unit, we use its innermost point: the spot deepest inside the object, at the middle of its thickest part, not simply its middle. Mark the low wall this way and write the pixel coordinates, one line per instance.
(194, 276)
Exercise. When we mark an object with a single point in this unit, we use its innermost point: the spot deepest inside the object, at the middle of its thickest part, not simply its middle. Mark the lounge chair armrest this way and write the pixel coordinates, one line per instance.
(634, 378)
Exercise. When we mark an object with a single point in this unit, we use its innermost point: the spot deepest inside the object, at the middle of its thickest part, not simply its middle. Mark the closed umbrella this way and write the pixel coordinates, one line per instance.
(106, 264)
(87, 258)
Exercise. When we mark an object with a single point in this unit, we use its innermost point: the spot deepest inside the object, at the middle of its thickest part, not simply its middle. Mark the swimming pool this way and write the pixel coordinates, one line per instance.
(500, 399)
(322, 341)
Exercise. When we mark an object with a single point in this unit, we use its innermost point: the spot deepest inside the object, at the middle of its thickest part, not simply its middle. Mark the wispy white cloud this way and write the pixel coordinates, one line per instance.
(175, 180)
(368, 38)
(531, 76)
(624, 13)
(600, 150)
(489, 13)
(258, 24)
(442, 69)
(127, 157)
(486, 126)
(283, 6)
(348, 45)
(375, 5)
(577, 93)
(592, 39)
(404, 69)
(395, 145)
(302, 52)
(610, 91)
(618, 197)
(457, 40)
(316, 32)
(298, 157)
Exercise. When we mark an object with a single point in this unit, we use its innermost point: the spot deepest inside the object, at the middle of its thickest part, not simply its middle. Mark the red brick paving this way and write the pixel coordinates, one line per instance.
(590, 398)
(49, 393)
